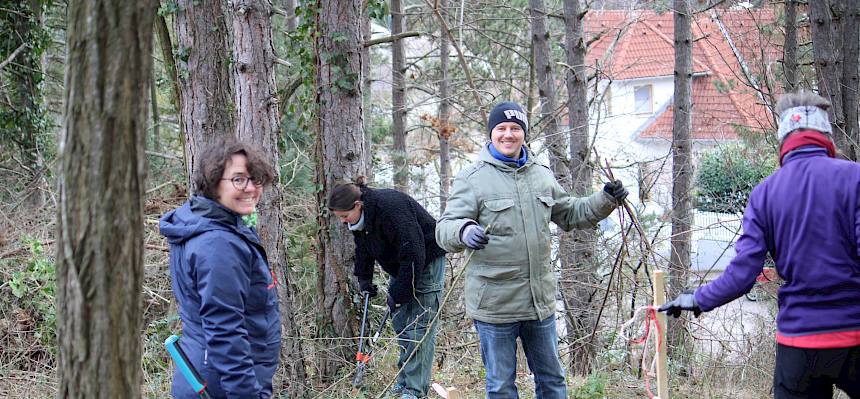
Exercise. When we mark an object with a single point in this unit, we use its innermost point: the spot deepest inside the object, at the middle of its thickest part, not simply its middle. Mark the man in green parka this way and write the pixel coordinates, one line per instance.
(501, 207)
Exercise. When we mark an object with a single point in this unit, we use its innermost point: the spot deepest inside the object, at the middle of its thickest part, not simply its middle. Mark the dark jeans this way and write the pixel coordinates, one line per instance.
(811, 373)
(499, 353)
(411, 321)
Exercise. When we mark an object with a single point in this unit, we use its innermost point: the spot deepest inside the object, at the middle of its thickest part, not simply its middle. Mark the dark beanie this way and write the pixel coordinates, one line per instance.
(507, 112)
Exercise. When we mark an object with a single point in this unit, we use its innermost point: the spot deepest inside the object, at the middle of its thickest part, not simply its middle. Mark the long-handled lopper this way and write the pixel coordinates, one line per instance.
(361, 357)
(198, 384)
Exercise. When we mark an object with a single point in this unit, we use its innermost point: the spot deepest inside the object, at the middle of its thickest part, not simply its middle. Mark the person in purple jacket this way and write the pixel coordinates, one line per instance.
(806, 215)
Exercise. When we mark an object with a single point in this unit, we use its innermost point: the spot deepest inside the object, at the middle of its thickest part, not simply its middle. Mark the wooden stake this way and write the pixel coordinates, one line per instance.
(447, 393)
(659, 279)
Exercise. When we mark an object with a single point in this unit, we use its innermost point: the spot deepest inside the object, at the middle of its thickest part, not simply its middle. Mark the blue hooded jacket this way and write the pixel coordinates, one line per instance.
(807, 216)
(227, 299)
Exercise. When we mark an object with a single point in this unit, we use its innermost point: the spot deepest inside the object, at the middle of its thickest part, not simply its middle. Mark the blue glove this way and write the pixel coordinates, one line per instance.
(616, 190)
(473, 237)
(685, 301)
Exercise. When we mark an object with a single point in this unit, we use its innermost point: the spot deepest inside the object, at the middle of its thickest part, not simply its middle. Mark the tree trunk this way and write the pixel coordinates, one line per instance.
(166, 45)
(682, 170)
(789, 48)
(205, 76)
(851, 79)
(366, 81)
(101, 186)
(579, 276)
(835, 47)
(445, 130)
(546, 83)
(257, 123)
(292, 21)
(398, 101)
(153, 99)
(341, 154)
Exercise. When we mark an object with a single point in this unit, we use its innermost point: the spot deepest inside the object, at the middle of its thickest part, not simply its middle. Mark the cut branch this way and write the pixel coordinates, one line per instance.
(389, 39)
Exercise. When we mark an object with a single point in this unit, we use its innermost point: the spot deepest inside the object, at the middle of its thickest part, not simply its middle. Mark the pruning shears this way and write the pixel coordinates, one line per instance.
(198, 384)
(361, 357)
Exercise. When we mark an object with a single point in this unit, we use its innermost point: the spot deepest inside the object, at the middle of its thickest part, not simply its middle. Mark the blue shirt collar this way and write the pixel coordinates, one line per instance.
(524, 156)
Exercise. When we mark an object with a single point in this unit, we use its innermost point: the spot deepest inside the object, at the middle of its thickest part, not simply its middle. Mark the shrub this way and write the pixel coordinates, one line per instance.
(727, 175)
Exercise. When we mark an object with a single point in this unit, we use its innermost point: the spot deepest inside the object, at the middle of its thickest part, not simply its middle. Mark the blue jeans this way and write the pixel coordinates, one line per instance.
(499, 353)
(411, 321)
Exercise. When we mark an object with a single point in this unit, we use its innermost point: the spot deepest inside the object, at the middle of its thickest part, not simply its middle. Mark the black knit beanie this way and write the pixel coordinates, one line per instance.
(507, 112)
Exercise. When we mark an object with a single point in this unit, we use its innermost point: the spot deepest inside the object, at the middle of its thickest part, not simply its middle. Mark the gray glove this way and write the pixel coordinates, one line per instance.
(685, 301)
(473, 237)
(616, 190)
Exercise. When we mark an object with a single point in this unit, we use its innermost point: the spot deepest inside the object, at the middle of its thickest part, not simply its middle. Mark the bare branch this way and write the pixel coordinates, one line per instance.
(12, 56)
(283, 62)
(389, 39)
(462, 59)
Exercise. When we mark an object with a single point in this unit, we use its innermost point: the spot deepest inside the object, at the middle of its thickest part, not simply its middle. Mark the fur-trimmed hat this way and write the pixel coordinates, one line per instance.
(802, 110)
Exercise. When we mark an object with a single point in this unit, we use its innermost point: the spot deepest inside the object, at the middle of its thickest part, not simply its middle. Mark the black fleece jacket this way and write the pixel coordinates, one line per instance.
(399, 234)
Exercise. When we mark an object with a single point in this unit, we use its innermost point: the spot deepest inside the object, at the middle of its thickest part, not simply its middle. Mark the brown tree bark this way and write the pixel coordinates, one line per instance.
(555, 141)
(579, 275)
(101, 186)
(257, 122)
(682, 169)
(445, 130)
(166, 46)
(789, 48)
(341, 154)
(398, 101)
(851, 79)
(835, 29)
(366, 81)
(292, 21)
(205, 76)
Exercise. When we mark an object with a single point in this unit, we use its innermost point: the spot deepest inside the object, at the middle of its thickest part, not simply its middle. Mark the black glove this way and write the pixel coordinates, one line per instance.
(368, 287)
(392, 306)
(616, 190)
(473, 236)
(685, 301)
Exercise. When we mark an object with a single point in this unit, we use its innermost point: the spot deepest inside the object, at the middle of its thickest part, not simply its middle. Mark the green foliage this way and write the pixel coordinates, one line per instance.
(378, 10)
(168, 7)
(659, 6)
(35, 287)
(155, 358)
(250, 220)
(300, 46)
(23, 121)
(593, 388)
(727, 175)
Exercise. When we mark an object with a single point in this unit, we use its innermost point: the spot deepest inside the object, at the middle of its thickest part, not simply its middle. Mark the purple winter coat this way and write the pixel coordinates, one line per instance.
(807, 215)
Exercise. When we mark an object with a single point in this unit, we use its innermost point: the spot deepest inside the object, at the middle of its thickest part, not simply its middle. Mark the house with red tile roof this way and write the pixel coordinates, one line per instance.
(633, 57)
(632, 54)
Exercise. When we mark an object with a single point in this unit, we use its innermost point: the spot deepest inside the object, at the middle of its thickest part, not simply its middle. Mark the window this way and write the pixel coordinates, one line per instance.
(642, 99)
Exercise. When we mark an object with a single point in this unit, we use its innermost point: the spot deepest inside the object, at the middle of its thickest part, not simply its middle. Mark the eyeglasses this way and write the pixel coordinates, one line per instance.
(241, 182)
